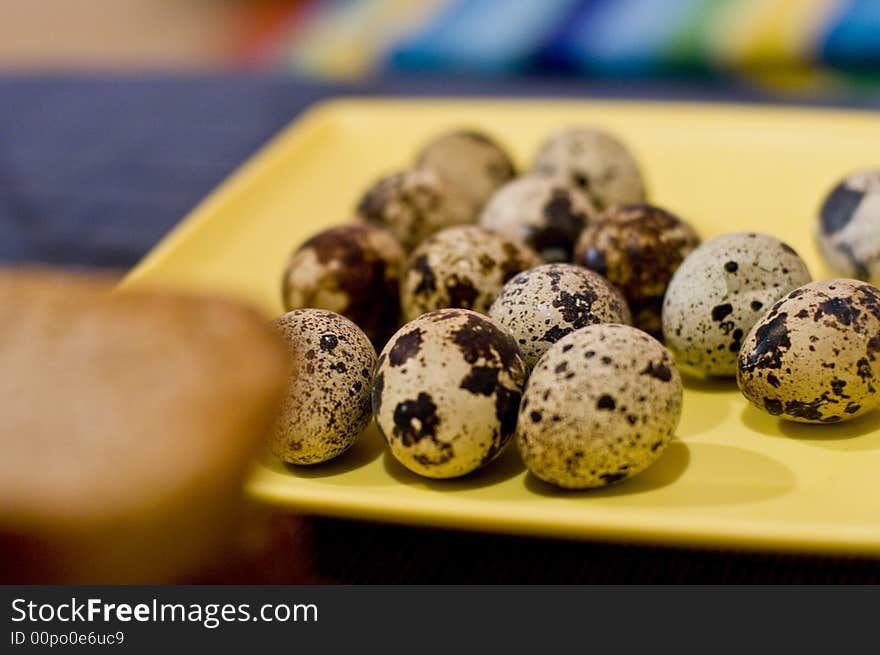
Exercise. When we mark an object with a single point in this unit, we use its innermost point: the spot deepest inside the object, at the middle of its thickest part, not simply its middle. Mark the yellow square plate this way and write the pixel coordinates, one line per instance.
(735, 477)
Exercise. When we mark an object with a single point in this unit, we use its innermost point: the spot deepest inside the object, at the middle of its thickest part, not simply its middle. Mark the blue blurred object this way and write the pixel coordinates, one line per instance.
(854, 40)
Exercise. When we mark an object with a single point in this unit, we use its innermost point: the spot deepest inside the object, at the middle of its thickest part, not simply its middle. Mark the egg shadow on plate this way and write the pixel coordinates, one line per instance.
(862, 433)
(666, 470)
(707, 384)
(506, 466)
(366, 449)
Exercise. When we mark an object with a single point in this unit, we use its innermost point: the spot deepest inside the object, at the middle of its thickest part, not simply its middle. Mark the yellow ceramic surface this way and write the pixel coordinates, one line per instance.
(734, 477)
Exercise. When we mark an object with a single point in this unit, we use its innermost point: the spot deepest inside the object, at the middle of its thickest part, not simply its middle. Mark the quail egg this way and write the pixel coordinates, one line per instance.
(541, 305)
(718, 293)
(595, 162)
(353, 270)
(815, 356)
(327, 404)
(446, 392)
(471, 161)
(414, 204)
(638, 248)
(461, 267)
(546, 213)
(849, 226)
(601, 405)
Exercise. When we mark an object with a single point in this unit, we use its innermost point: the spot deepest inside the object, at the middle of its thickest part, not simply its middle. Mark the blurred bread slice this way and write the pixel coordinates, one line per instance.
(127, 424)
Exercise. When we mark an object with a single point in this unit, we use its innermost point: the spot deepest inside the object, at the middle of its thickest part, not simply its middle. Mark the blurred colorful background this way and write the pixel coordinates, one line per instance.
(786, 46)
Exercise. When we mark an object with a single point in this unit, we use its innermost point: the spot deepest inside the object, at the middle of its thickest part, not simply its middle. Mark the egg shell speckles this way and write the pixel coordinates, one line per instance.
(327, 404)
(720, 291)
(596, 163)
(446, 392)
(353, 270)
(638, 248)
(461, 267)
(544, 304)
(601, 405)
(546, 213)
(849, 226)
(414, 204)
(471, 161)
(815, 356)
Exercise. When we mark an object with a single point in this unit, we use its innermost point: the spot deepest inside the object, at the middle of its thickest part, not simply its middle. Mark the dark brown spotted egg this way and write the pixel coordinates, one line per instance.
(638, 248)
(446, 392)
(546, 213)
(353, 270)
(461, 267)
(595, 162)
(414, 204)
(327, 404)
(541, 305)
(720, 291)
(849, 226)
(815, 356)
(471, 161)
(601, 405)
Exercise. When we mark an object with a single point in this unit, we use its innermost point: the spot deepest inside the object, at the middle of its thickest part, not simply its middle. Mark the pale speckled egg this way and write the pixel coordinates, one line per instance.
(414, 204)
(595, 162)
(601, 405)
(327, 404)
(638, 249)
(471, 161)
(446, 392)
(541, 305)
(720, 291)
(461, 267)
(849, 226)
(546, 213)
(353, 270)
(815, 356)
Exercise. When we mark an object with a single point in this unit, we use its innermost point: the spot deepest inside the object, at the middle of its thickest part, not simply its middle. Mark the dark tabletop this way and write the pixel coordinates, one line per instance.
(95, 170)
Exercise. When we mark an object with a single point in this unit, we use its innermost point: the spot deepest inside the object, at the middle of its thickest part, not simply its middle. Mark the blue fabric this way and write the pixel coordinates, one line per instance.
(94, 171)
(854, 40)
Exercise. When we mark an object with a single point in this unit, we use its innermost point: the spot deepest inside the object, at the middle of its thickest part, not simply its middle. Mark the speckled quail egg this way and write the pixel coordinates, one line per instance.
(546, 213)
(849, 226)
(353, 270)
(471, 161)
(541, 305)
(601, 405)
(461, 267)
(638, 248)
(446, 392)
(815, 356)
(595, 162)
(328, 397)
(718, 293)
(414, 204)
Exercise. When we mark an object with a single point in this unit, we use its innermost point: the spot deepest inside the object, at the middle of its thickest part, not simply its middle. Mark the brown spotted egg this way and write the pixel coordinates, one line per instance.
(461, 267)
(546, 213)
(446, 392)
(541, 305)
(849, 226)
(353, 270)
(718, 293)
(471, 161)
(601, 405)
(815, 356)
(638, 248)
(327, 404)
(595, 162)
(414, 204)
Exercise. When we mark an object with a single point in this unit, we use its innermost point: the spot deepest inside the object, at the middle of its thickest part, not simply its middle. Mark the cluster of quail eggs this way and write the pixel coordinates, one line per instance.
(534, 308)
